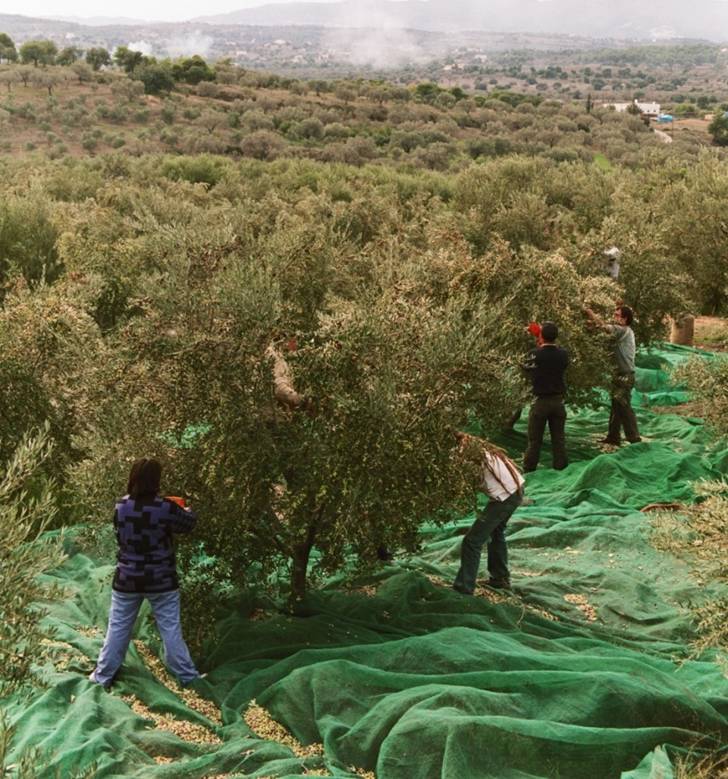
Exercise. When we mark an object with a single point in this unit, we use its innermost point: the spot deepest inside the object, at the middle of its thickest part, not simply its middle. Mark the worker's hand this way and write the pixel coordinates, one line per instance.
(593, 317)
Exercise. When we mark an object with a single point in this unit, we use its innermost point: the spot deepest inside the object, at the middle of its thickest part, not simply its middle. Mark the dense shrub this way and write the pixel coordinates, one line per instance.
(708, 382)
(27, 509)
(28, 238)
(196, 170)
(262, 145)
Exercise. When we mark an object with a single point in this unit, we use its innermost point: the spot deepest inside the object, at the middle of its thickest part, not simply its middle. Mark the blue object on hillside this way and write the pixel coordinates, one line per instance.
(664, 118)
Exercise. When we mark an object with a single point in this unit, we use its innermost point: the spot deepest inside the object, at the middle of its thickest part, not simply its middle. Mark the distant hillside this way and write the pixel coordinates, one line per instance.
(23, 27)
(377, 48)
(617, 19)
(313, 49)
(96, 21)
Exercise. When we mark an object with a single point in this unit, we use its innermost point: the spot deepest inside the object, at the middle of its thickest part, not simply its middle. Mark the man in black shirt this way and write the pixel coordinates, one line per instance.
(546, 367)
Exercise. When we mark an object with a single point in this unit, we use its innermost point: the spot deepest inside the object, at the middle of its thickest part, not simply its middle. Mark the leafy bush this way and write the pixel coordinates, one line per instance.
(28, 238)
(89, 142)
(308, 129)
(27, 508)
(157, 78)
(196, 170)
(205, 88)
(168, 113)
(46, 339)
(262, 145)
(192, 70)
(708, 382)
(719, 129)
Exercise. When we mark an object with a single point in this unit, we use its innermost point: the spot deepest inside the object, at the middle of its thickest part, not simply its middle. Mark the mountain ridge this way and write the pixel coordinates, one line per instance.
(623, 19)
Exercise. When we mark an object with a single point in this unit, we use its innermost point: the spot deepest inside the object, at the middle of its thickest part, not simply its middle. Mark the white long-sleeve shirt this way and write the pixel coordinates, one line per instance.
(498, 481)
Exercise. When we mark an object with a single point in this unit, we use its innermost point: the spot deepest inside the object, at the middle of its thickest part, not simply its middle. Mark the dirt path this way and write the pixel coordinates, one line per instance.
(711, 332)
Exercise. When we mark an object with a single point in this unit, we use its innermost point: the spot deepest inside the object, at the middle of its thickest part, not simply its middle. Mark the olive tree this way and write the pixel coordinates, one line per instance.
(69, 55)
(718, 129)
(27, 508)
(388, 369)
(27, 238)
(399, 318)
(82, 72)
(39, 52)
(8, 52)
(127, 89)
(127, 58)
(679, 232)
(9, 77)
(46, 335)
(98, 57)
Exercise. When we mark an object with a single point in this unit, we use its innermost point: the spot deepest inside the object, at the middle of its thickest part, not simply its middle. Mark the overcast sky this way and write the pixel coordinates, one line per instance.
(162, 10)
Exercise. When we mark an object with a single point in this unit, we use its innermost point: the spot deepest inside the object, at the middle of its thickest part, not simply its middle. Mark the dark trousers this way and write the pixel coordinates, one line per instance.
(489, 526)
(548, 410)
(621, 414)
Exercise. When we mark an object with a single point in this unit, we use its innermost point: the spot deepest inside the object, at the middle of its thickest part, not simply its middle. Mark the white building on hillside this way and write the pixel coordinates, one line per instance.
(646, 109)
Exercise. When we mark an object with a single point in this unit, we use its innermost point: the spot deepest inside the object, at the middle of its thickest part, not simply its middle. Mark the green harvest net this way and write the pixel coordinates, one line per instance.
(580, 673)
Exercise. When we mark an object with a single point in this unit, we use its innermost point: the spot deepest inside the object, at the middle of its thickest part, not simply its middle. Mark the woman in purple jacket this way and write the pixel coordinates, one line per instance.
(145, 524)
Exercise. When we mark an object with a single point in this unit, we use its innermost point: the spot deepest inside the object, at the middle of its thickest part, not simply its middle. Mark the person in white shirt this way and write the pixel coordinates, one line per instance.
(503, 483)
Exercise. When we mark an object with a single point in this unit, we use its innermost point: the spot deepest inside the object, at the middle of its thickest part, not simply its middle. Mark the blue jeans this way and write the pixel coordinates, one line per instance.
(122, 616)
(489, 526)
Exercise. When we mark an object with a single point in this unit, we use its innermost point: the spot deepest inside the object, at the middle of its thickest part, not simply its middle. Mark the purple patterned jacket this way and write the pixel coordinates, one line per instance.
(144, 530)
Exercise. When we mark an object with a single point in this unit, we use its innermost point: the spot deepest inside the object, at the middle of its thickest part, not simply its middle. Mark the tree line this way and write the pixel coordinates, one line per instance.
(156, 76)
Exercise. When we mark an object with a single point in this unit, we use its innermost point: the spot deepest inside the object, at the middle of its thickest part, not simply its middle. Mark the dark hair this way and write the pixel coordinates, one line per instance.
(626, 313)
(549, 332)
(144, 479)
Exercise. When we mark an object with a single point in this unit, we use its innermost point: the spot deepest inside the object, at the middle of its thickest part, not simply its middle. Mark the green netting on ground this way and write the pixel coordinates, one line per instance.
(580, 673)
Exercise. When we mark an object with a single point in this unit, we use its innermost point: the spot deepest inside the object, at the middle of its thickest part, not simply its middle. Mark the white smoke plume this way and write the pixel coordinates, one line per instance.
(143, 46)
(187, 45)
(178, 46)
(379, 40)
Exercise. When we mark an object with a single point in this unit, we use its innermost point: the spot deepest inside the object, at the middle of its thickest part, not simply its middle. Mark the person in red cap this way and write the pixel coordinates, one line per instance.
(534, 329)
(546, 367)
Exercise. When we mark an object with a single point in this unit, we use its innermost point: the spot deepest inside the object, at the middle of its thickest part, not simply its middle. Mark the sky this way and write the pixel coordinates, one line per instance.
(157, 10)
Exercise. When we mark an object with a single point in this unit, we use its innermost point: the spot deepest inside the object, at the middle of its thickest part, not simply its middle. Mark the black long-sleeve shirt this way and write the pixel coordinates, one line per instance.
(546, 367)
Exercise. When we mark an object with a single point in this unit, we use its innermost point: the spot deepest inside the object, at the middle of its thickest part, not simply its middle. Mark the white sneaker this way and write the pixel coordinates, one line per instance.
(92, 678)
